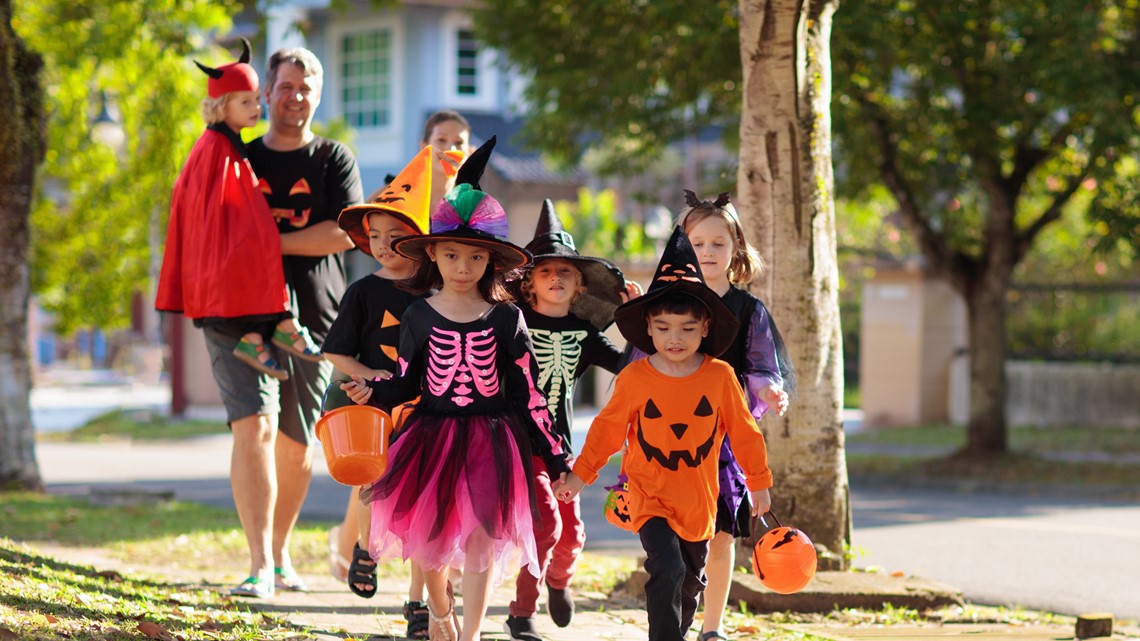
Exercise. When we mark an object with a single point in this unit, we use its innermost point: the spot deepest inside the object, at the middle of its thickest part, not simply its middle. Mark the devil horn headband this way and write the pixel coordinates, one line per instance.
(209, 71)
(245, 51)
(692, 201)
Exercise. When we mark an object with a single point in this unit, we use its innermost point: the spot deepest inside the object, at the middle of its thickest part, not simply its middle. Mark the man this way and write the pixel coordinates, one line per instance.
(307, 180)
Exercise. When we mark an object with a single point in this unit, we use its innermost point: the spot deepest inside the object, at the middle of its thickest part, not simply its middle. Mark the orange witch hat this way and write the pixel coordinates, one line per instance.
(407, 197)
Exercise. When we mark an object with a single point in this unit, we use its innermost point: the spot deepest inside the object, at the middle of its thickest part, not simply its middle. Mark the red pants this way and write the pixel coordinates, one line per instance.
(559, 537)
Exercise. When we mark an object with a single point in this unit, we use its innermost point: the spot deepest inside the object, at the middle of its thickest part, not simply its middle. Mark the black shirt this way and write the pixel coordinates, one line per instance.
(368, 326)
(304, 187)
(565, 348)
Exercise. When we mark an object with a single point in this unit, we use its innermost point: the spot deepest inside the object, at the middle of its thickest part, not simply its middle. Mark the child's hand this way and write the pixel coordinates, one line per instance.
(357, 390)
(761, 502)
(565, 491)
(632, 291)
(776, 398)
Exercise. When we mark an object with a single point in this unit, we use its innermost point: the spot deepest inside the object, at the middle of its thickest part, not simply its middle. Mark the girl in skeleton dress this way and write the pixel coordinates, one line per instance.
(567, 301)
(457, 491)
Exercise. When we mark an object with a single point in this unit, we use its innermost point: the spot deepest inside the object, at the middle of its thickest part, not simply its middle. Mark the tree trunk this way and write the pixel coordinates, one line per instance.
(21, 149)
(785, 196)
(985, 304)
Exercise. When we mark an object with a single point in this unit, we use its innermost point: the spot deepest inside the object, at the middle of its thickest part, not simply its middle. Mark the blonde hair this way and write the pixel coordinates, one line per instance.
(746, 263)
(214, 109)
(526, 286)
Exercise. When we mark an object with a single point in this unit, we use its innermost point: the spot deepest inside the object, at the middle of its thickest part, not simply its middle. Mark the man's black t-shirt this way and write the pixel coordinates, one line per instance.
(368, 327)
(304, 187)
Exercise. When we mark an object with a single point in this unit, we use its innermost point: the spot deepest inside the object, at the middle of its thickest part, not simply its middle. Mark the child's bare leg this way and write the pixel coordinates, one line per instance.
(718, 570)
(440, 604)
(416, 585)
(476, 585)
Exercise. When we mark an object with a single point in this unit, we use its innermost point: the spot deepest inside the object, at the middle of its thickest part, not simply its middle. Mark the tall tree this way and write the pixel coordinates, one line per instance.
(21, 149)
(93, 224)
(636, 75)
(984, 122)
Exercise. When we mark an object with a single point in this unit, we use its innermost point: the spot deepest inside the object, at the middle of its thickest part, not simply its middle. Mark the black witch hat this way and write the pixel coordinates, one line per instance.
(603, 280)
(469, 216)
(679, 272)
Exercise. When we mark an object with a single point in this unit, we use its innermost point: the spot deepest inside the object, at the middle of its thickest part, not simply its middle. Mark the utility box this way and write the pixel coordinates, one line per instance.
(912, 327)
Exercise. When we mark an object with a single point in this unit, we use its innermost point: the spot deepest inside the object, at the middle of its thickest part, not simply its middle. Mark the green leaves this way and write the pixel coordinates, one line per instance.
(96, 207)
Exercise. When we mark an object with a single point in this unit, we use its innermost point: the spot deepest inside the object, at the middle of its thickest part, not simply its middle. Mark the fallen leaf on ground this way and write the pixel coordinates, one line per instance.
(155, 631)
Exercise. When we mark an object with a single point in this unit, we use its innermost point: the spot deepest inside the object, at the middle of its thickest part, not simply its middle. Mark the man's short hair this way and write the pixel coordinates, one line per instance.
(301, 57)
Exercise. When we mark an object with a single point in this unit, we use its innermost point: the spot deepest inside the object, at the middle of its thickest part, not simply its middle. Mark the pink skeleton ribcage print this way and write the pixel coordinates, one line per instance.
(458, 360)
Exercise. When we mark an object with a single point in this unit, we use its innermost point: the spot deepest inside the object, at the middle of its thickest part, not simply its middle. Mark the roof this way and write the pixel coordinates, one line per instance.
(511, 160)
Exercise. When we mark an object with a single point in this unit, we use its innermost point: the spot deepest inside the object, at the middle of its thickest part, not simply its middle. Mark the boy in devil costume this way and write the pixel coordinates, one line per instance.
(222, 264)
(674, 408)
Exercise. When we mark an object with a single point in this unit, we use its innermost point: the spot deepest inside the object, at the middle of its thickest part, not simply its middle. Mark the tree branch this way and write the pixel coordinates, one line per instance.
(931, 243)
(1028, 157)
(1051, 214)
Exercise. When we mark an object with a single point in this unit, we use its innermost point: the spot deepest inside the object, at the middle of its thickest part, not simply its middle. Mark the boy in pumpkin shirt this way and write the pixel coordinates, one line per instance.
(674, 408)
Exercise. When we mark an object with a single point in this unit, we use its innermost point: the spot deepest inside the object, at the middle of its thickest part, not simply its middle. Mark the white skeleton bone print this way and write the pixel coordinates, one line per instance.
(558, 354)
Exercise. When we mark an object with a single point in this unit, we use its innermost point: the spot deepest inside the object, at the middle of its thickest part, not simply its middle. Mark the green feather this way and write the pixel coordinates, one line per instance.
(464, 198)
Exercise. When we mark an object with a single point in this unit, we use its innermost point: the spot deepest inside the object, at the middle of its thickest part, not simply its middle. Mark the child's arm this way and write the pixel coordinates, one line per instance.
(521, 373)
(762, 367)
(353, 367)
(388, 393)
(598, 350)
(565, 491)
(747, 441)
(607, 433)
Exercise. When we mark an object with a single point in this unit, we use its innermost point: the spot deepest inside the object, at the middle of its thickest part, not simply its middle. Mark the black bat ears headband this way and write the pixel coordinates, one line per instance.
(692, 201)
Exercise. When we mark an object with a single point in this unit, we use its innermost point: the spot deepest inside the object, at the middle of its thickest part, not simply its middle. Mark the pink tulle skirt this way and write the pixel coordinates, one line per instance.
(457, 493)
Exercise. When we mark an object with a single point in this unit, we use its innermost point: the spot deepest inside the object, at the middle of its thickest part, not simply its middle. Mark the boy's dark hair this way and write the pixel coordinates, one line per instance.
(442, 116)
(677, 303)
(427, 277)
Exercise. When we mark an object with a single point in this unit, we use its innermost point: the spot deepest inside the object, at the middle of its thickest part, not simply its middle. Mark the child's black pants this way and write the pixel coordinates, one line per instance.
(676, 569)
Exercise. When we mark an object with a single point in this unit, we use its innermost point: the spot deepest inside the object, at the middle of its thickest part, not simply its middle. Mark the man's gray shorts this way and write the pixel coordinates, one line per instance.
(247, 392)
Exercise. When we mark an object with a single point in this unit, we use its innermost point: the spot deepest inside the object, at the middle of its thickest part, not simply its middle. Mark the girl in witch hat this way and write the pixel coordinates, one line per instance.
(762, 368)
(674, 408)
(567, 300)
(222, 264)
(457, 490)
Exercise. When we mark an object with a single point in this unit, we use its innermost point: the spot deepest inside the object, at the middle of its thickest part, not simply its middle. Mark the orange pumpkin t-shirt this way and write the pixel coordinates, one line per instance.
(675, 425)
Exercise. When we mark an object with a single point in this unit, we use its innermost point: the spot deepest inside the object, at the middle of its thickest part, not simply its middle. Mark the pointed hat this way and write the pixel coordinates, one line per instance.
(678, 272)
(407, 198)
(469, 216)
(235, 76)
(604, 281)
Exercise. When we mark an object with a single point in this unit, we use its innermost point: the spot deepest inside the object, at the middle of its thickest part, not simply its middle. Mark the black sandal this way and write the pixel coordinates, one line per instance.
(416, 614)
(362, 571)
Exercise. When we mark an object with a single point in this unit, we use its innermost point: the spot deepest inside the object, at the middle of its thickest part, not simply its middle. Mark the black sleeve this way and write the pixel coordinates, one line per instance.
(343, 186)
(598, 350)
(344, 335)
(521, 370)
(406, 384)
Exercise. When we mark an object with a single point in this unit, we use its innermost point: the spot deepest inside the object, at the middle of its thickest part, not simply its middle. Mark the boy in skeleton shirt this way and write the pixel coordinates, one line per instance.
(567, 300)
(674, 408)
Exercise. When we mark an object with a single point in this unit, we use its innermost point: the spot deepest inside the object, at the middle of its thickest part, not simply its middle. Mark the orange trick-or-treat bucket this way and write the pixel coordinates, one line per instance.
(355, 441)
(784, 559)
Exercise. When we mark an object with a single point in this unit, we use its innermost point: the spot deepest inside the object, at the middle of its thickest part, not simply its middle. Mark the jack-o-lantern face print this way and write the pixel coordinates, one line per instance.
(617, 508)
(669, 273)
(393, 194)
(293, 208)
(689, 443)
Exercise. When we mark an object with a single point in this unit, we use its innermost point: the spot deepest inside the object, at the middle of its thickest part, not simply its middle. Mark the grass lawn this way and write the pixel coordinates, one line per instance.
(136, 425)
(1112, 440)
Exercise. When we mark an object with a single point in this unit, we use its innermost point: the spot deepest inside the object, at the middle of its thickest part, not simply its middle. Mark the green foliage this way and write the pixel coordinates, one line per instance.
(1018, 100)
(136, 425)
(96, 204)
(594, 223)
(639, 74)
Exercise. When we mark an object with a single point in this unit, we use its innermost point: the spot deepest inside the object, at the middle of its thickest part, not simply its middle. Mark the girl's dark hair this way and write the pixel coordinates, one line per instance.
(427, 277)
(677, 303)
(443, 116)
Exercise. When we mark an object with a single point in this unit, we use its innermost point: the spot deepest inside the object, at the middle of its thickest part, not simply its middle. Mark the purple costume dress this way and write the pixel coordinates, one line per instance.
(462, 461)
(759, 358)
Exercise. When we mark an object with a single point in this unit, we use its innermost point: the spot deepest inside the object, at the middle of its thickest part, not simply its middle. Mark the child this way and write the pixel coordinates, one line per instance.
(363, 339)
(568, 300)
(222, 264)
(762, 368)
(457, 489)
(674, 408)
(449, 136)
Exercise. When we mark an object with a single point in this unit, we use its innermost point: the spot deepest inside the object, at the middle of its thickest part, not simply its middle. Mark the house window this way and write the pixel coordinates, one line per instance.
(466, 76)
(366, 78)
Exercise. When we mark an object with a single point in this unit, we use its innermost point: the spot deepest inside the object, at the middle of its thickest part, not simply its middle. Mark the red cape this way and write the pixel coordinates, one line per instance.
(223, 251)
